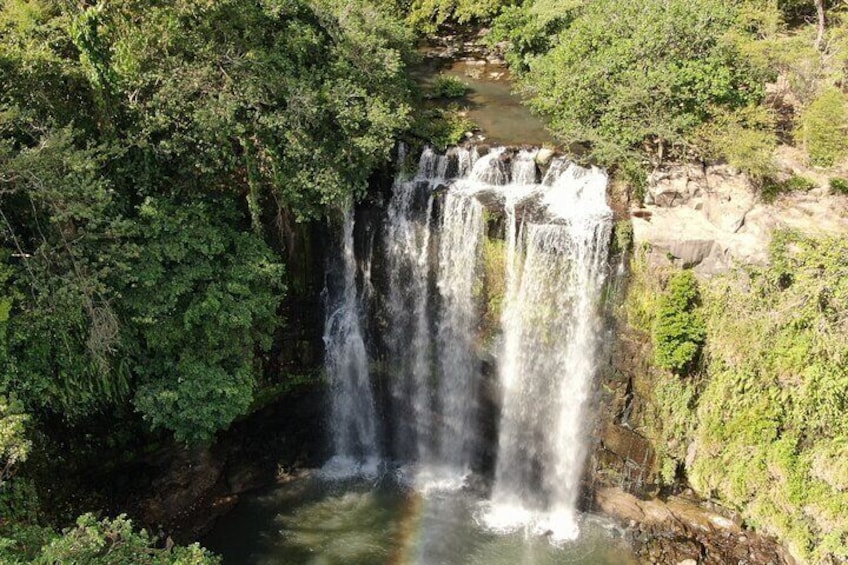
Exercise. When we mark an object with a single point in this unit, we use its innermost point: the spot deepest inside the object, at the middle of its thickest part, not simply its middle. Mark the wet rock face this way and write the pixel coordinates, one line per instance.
(194, 487)
(679, 530)
(621, 457)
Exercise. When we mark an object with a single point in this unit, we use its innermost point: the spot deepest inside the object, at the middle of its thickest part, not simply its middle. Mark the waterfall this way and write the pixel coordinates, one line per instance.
(432, 317)
(353, 420)
(459, 249)
(409, 343)
(555, 275)
(556, 233)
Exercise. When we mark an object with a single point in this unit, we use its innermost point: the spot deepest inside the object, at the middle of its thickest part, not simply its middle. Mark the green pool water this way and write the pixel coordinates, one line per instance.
(311, 521)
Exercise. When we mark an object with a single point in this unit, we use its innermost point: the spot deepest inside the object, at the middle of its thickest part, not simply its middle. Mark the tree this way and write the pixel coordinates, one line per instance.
(145, 150)
(634, 78)
(820, 24)
(679, 331)
(200, 299)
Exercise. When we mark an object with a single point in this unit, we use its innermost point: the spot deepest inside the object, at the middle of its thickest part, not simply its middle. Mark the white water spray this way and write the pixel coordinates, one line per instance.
(353, 419)
(556, 272)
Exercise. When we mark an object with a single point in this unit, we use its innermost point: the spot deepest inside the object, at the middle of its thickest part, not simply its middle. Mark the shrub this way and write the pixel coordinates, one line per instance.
(824, 125)
(678, 332)
(839, 185)
(442, 127)
(623, 236)
(446, 86)
(771, 189)
(115, 542)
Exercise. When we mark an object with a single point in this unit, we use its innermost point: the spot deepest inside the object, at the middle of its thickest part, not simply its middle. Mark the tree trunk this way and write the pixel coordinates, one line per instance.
(820, 23)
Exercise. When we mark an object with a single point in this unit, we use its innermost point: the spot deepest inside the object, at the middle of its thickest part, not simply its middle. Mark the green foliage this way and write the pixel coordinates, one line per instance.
(633, 173)
(825, 124)
(672, 422)
(744, 138)
(447, 86)
(115, 542)
(428, 15)
(21, 532)
(770, 188)
(201, 298)
(622, 241)
(644, 289)
(764, 421)
(839, 185)
(772, 431)
(621, 75)
(529, 29)
(116, 121)
(14, 446)
(146, 150)
(59, 210)
(494, 283)
(678, 331)
(442, 127)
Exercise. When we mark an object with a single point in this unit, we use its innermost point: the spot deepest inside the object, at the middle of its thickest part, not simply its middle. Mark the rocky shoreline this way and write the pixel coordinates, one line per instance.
(681, 530)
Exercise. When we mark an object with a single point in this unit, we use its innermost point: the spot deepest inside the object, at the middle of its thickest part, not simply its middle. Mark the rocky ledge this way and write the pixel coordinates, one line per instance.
(711, 218)
(682, 531)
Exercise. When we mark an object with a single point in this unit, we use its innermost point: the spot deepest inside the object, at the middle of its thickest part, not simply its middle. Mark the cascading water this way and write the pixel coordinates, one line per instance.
(459, 249)
(555, 274)
(409, 343)
(556, 237)
(353, 419)
(430, 336)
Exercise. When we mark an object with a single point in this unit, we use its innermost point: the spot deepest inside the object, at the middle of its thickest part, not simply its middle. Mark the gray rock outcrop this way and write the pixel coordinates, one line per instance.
(710, 218)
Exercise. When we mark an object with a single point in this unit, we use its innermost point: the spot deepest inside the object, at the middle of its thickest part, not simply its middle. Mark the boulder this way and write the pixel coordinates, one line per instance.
(544, 156)
(681, 530)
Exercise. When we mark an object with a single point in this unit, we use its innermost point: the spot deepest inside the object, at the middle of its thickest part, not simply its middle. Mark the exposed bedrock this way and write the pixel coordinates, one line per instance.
(711, 217)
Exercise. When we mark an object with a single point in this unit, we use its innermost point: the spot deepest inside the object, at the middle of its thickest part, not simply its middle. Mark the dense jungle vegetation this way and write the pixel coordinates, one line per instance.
(152, 154)
(748, 387)
(143, 145)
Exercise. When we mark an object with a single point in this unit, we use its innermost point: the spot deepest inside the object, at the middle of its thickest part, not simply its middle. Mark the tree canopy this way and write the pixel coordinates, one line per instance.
(140, 145)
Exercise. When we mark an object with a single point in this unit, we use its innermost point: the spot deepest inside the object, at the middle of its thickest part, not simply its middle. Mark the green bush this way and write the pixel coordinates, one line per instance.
(623, 236)
(446, 86)
(678, 332)
(115, 542)
(839, 185)
(771, 189)
(428, 15)
(442, 127)
(824, 128)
